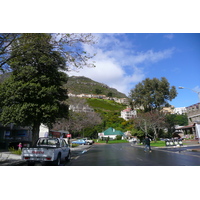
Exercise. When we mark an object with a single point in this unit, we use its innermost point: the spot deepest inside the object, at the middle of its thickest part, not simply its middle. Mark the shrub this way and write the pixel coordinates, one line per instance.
(12, 150)
(118, 137)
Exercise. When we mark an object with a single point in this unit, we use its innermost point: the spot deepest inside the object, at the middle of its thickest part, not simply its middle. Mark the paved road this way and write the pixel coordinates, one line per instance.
(124, 155)
(127, 155)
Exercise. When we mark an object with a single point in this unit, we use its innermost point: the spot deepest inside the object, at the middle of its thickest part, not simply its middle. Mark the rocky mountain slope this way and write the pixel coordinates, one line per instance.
(84, 85)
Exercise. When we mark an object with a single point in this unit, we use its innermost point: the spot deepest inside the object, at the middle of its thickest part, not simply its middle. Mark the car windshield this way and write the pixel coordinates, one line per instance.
(47, 142)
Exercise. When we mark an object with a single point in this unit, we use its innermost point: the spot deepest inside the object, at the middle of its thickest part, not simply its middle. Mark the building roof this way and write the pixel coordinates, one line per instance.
(186, 127)
(127, 110)
(112, 131)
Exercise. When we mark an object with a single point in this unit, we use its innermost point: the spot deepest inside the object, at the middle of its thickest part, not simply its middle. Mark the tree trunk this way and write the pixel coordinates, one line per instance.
(35, 132)
(155, 134)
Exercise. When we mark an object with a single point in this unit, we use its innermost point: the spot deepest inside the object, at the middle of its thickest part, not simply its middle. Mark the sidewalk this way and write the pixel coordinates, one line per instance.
(9, 159)
(192, 143)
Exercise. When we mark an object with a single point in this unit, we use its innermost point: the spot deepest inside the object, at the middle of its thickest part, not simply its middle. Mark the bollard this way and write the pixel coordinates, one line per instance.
(167, 142)
(180, 142)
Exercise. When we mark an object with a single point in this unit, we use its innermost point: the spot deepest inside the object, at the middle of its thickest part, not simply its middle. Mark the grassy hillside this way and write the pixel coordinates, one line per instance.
(83, 85)
(105, 105)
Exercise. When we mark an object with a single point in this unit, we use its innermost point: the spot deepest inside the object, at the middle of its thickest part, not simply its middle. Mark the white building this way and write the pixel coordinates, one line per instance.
(121, 100)
(79, 108)
(180, 110)
(128, 113)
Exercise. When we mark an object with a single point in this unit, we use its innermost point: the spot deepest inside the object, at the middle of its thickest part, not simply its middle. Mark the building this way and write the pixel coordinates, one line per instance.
(193, 113)
(192, 131)
(180, 110)
(128, 113)
(12, 135)
(122, 100)
(79, 108)
(111, 133)
(168, 110)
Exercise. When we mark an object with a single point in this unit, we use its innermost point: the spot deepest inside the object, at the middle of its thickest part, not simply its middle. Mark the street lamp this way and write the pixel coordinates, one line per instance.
(180, 87)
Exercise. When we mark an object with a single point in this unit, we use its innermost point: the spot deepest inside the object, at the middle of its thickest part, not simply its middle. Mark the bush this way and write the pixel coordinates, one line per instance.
(12, 150)
(118, 137)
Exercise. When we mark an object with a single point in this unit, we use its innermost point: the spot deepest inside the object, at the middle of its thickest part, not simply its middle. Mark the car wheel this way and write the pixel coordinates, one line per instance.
(68, 158)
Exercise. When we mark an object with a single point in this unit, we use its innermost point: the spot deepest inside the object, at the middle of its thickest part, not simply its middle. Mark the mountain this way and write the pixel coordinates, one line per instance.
(84, 85)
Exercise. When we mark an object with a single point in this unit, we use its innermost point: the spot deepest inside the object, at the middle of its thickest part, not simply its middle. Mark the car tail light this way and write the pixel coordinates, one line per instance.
(26, 158)
(48, 158)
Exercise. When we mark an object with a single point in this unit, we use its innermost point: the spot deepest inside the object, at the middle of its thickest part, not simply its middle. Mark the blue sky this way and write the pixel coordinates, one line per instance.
(123, 60)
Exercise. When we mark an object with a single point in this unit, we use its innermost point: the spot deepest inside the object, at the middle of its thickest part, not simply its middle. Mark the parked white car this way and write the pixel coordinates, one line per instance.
(88, 141)
(52, 150)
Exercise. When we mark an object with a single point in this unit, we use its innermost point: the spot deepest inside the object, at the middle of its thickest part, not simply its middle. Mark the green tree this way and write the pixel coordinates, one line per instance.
(98, 91)
(152, 94)
(110, 94)
(176, 119)
(34, 92)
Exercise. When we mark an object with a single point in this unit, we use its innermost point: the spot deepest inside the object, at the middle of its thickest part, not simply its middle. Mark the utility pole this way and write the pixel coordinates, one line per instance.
(145, 126)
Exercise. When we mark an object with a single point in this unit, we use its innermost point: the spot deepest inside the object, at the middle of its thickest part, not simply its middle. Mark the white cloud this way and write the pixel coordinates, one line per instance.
(151, 56)
(117, 62)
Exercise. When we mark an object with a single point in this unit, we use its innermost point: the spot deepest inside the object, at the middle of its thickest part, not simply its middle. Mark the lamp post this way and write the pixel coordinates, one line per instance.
(180, 87)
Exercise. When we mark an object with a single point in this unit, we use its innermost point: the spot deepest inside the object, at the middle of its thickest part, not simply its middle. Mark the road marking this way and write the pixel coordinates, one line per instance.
(140, 159)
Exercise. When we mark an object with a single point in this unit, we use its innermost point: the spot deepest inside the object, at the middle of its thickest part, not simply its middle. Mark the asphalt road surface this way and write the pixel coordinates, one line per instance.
(126, 155)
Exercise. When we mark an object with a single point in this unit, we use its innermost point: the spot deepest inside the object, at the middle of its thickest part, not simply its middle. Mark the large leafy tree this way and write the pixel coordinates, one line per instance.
(152, 94)
(34, 92)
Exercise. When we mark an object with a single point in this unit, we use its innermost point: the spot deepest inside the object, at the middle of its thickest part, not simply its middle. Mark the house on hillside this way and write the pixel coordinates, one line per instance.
(80, 108)
(168, 110)
(180, 110)
(128, 113)
(122, 100)
(111, 133)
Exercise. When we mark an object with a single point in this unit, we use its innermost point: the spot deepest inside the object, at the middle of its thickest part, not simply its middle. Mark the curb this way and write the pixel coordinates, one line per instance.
(12, 163)
(193, 150)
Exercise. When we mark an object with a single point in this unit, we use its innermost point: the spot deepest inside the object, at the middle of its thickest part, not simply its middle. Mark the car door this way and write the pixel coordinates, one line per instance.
(65, 149)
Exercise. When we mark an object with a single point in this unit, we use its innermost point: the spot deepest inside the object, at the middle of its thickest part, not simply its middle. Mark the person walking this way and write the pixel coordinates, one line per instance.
(147, 143)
